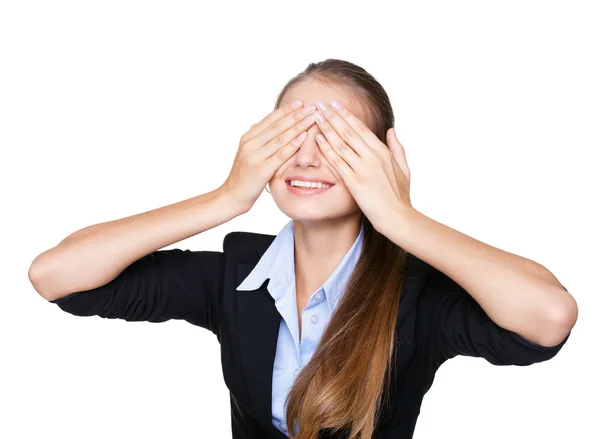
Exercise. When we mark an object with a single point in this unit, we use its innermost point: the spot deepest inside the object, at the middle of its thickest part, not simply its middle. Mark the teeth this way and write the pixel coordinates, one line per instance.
(308, 184)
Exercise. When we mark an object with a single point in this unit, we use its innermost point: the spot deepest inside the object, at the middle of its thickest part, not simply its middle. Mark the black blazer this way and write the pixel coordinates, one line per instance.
(437, 320)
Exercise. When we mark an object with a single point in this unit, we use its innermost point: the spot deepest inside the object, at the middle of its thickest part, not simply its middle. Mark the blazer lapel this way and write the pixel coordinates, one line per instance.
(258, 330)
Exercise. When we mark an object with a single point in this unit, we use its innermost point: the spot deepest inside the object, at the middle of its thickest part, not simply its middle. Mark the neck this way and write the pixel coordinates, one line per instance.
(319, 247)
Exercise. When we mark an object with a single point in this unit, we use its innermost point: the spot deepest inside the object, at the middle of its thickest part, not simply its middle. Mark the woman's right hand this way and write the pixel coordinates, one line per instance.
(263, 149)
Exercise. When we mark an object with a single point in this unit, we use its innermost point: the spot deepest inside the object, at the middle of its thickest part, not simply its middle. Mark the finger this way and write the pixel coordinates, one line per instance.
(285, 138)
(336, 143)
(344, 130)
(276, 114)
(283, 154)
(338, 163)
(357, 125)
(276, 131)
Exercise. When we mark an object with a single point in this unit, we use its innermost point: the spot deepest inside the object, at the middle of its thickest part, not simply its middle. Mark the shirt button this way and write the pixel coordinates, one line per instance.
(296, 372)
(318, 297)
(282, 426)
(314, 318)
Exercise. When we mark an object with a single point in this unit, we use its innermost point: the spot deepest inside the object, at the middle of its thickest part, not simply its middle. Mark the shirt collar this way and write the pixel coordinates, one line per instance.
(277, 264)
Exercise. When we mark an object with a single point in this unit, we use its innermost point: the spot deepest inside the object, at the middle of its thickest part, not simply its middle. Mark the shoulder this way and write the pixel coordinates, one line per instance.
(245, 245)
(417, 274)
(416, 303)
(416, 277)
(237, 237)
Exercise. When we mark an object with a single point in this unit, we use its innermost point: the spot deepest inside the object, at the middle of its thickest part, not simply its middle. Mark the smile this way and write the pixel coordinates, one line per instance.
(305, 190)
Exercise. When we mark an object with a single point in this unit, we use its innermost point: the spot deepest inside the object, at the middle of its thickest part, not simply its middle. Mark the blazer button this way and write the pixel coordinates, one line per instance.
(315, 319)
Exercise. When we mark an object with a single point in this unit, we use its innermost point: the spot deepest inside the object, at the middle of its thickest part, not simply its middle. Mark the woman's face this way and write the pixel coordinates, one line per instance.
(310, 162)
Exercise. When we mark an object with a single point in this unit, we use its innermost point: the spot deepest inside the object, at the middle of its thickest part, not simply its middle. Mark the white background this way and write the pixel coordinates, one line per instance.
(112, 108)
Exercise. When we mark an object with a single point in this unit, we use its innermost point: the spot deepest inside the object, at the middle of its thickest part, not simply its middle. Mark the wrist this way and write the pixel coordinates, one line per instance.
(397, 223)
(231, 201)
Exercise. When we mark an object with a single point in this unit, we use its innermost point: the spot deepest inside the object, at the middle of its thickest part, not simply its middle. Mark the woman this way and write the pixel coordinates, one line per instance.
(337, 324)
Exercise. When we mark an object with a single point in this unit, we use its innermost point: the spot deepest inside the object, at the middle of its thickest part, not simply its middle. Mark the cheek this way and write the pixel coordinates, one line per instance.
(339, 180)
(345, 192)
(278, 174)
(289, 162)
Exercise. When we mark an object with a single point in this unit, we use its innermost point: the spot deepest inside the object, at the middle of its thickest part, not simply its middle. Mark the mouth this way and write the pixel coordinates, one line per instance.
(305, 190)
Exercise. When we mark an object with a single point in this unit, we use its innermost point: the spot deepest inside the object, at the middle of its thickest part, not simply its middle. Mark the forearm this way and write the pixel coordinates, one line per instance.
(93, 256)
(517, 294)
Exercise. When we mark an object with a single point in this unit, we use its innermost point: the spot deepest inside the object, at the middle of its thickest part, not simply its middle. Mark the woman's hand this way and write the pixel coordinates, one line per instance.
(378, 177)
(264, 148)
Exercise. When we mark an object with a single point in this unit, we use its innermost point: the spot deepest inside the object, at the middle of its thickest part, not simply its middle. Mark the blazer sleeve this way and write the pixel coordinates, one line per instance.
(455, 324)
(163, 285)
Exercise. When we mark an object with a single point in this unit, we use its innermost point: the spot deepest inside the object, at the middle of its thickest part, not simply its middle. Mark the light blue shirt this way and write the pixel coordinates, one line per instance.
(292, 354)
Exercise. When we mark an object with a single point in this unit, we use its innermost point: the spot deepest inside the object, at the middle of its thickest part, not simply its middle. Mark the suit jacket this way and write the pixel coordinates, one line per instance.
(437, 320)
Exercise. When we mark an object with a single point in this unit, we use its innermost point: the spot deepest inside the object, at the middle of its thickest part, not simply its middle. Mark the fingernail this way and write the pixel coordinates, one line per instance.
(296, 104)
(336, 105)
(309, 109)
(321, 105)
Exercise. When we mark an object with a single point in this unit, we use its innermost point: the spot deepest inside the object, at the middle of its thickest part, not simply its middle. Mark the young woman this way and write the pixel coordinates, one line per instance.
(336, 326)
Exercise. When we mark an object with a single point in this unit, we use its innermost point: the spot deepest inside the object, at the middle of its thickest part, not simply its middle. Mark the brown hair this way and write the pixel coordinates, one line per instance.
(342, 386)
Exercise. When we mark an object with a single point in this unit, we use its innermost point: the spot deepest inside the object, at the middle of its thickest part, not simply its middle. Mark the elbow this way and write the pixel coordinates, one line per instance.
(565, 315)
(37, 277)
(560, 321)
(36, 280)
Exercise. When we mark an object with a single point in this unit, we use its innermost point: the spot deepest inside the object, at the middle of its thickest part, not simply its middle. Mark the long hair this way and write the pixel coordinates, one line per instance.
(342, 388)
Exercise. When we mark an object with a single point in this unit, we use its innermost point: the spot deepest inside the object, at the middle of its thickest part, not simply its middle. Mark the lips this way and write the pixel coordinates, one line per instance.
(307, 178)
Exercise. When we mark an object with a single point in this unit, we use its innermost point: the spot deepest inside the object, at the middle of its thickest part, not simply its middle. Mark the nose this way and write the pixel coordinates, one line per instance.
(309, 153)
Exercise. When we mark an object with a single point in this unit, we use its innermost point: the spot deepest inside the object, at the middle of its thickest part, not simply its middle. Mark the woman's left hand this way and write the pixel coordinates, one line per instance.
(378, 177)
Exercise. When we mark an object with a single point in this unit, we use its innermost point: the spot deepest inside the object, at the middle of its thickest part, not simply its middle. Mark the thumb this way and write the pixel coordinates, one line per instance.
(397, 150)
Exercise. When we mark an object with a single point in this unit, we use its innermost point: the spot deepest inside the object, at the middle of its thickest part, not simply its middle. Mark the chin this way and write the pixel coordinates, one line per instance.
(315, 207)
(299, 214)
